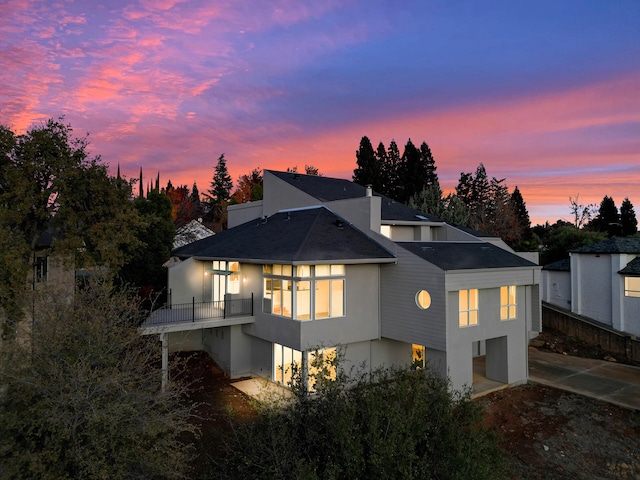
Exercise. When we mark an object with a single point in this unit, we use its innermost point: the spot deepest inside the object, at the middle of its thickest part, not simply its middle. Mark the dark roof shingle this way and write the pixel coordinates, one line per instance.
(465, 255)
(612, 245)
(297, 236)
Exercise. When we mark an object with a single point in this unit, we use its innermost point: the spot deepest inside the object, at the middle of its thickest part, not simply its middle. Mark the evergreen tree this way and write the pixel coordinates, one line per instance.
(628, 218)
(391, 172)
(412, 176)
(368, 171)
(608, 219)
(219, 194)
(381, 157)
(527, 242)
(428, 163)
(196, 202)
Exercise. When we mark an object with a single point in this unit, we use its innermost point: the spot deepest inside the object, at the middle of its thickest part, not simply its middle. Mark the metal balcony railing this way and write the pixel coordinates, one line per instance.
(194, 312)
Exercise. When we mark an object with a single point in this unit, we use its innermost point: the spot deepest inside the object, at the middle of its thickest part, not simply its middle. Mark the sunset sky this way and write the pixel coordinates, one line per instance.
(544, 93)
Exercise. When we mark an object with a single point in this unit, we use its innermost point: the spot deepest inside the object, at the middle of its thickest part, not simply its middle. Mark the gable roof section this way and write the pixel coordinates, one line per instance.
(465, 255)
(326, 189)
(632, 268)
(310, 235)
(612, 245)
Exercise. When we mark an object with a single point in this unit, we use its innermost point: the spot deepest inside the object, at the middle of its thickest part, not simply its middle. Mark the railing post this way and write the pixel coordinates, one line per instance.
(193, 309)
(252, 304)
(224, 308)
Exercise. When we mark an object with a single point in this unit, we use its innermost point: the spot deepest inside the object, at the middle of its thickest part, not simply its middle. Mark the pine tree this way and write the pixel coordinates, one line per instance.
(368, 170)
(219, 194)
(391, 171)
(628, 218)
(608, 219)
(381, 157)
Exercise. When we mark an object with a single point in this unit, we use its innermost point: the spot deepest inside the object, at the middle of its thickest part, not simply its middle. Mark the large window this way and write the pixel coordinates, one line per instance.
(632, 286)
(468, 307)
(321, 365)
(304, 292)
(508, 305)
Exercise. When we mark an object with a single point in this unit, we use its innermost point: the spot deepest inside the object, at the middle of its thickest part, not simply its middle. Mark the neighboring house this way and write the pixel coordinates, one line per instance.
(603, 283)
(326, 263)
(191, 232)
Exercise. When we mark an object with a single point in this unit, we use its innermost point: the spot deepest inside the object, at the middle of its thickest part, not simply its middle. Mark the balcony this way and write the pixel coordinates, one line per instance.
(191, 316)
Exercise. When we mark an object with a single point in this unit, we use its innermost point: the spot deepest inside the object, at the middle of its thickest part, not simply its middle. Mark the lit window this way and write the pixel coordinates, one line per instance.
(423, 299)
(321, 367)
(285, 362)
(314, 291)
(632, 286)
(508, 305)
(468, 307)
(417, 359)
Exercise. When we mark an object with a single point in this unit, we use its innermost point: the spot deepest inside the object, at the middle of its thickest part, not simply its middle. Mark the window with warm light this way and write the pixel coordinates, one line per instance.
(468, 307)
(508, 305)
(423, 299)
(632, 286)
(304, 292)
(418, 356)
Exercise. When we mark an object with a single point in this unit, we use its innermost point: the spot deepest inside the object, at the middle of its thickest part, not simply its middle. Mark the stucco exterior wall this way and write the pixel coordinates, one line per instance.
(186, 280)
(243, 212)
(506, 344)
(591, 286)
(279, 195)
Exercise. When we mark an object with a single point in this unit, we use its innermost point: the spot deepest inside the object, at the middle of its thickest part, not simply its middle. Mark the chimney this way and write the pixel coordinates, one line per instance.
(369, 191)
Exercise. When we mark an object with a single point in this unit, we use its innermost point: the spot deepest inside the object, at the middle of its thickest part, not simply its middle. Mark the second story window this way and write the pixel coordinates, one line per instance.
(304, 292)
(508, 305)
(468, 307)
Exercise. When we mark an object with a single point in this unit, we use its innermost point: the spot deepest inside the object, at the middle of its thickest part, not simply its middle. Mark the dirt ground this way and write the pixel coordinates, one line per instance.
(545, 433)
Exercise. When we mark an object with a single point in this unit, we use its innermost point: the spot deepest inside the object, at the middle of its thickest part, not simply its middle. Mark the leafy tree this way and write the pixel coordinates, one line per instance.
(562, 237)
(249, 187)
(219, 194)
(391, 423)
(368, 171)
(581, 213)
(608, 219)
(156, 235)
(81, 396)
(308, 170)
(628, 218)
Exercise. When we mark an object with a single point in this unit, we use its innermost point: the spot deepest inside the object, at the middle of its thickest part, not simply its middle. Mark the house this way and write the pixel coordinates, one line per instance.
(600, 281)
(326, 263)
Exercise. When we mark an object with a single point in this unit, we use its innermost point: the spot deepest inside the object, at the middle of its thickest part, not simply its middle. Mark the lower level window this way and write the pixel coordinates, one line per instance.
(468, 307)
(285, 362)
(508, 306)
(417, 359)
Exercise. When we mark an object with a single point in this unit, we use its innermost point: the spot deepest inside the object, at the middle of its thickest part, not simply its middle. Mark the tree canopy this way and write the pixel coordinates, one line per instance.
(81, 395)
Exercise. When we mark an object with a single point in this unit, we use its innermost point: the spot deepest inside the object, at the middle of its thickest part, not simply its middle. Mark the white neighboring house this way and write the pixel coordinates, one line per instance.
(191, 232)
(603, 283)
(324, 262)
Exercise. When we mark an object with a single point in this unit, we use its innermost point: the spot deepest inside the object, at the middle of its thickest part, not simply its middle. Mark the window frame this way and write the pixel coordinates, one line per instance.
(303, 306)
(508, 309)
(469, 315)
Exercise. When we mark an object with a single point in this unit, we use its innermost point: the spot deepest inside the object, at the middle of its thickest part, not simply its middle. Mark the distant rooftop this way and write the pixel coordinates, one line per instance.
(612, 245)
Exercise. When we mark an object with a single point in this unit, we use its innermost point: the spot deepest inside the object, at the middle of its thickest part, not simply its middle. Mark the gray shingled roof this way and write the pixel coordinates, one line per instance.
(465, 255)
(326, 189)
(563, 265)
(308, 235)
(632, 268)
(612, 245)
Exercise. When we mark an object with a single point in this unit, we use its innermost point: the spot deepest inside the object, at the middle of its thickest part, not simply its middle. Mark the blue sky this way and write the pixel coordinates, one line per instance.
(544, 94)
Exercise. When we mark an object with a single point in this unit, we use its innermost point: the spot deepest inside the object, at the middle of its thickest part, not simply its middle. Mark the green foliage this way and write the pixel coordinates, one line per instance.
(155, 235)
(560, 238)
(81, 395)
(608, 219)
(392, 423)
